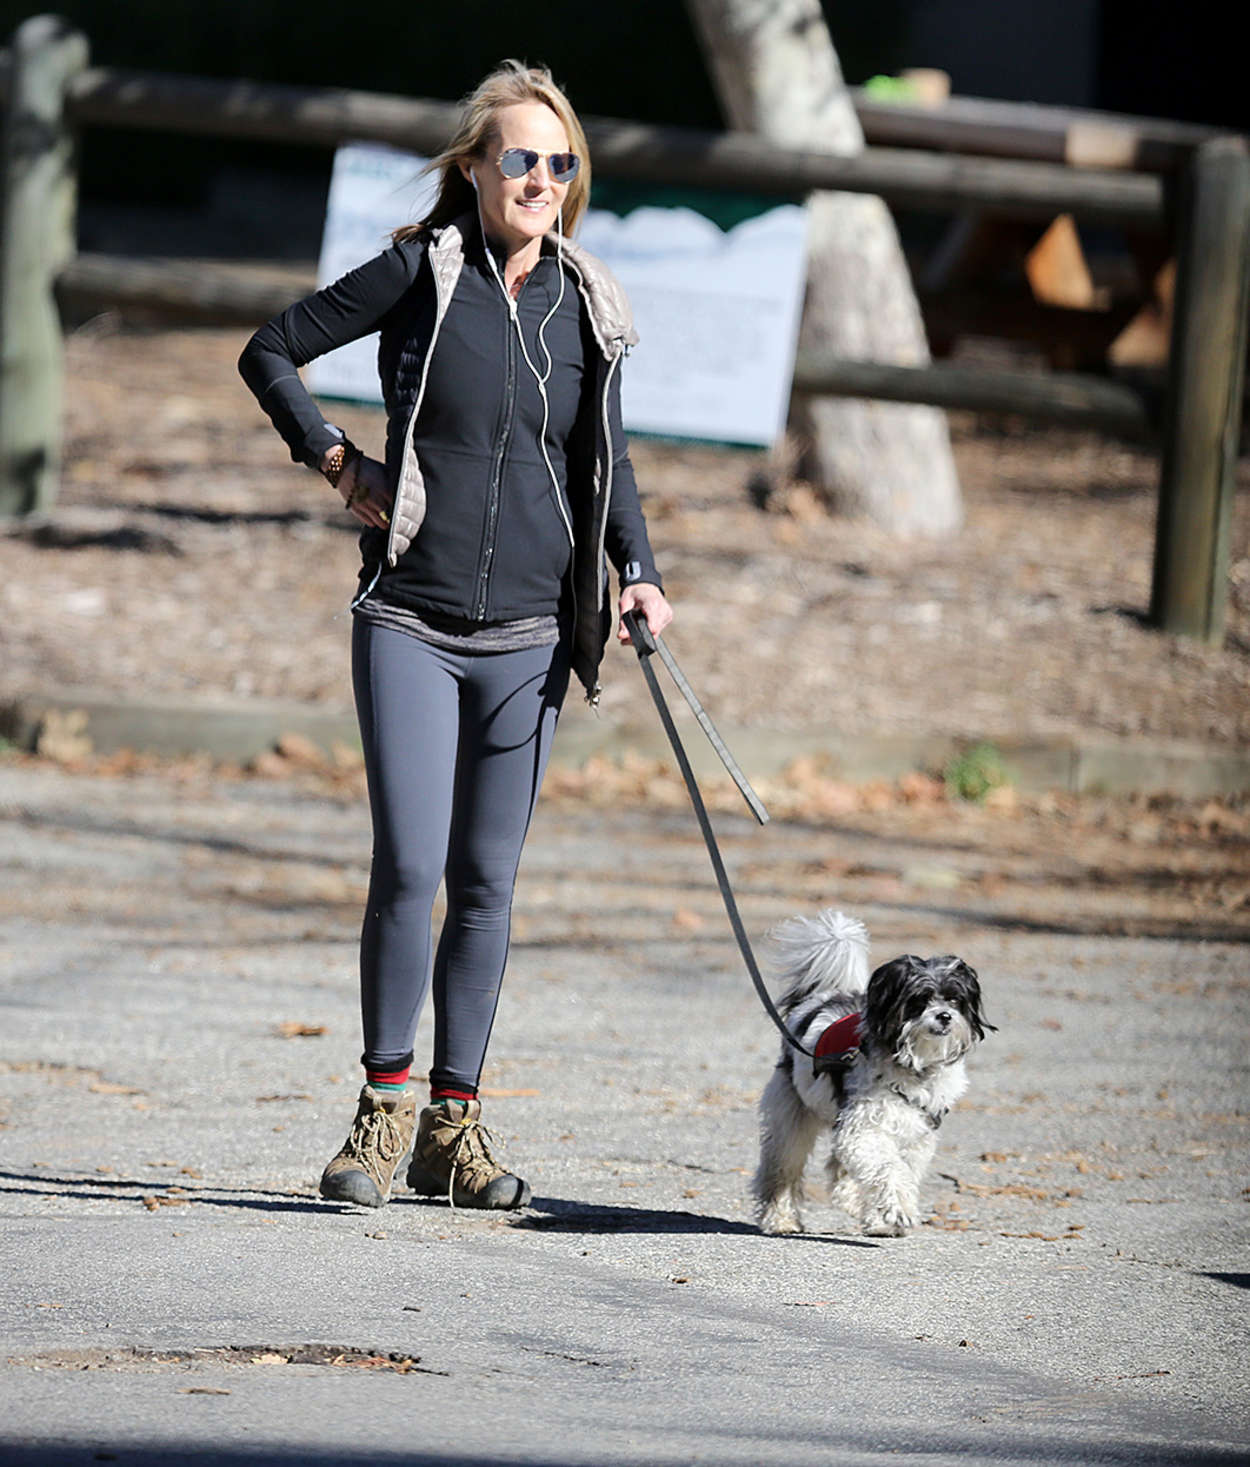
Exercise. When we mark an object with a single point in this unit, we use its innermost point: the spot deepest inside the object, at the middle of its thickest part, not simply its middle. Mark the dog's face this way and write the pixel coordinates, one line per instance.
(925, 1012)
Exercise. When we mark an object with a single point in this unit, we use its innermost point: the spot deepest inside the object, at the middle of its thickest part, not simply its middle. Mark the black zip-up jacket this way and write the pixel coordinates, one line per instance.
(485, 525)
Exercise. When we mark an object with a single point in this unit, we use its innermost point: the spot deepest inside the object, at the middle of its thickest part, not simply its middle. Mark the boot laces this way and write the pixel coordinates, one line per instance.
(377, 1133)
(469, 1152)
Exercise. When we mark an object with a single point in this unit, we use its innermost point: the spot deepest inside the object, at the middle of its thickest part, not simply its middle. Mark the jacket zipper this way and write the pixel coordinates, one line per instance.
(491, 528)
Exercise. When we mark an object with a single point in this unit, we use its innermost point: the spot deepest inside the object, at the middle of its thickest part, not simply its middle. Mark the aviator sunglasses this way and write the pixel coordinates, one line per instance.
(517, 162)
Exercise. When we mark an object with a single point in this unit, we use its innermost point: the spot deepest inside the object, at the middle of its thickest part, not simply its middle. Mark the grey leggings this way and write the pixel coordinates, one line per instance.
(455, 747)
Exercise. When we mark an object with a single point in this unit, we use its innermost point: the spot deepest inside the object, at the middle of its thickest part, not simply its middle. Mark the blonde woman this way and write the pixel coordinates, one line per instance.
(504, 481)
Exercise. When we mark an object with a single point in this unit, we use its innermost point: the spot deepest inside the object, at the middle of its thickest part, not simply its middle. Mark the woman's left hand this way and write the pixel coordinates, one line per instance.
(651, 602)
(366, 492)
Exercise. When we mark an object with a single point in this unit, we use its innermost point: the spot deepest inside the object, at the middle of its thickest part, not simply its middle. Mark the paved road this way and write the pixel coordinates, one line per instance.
(1078, 1294)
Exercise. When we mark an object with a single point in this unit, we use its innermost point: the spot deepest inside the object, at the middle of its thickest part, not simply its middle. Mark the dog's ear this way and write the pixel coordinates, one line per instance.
(888, 989)
(967, 985)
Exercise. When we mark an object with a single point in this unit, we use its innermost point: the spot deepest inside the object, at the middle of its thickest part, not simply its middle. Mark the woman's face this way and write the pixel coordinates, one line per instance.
(517, 212)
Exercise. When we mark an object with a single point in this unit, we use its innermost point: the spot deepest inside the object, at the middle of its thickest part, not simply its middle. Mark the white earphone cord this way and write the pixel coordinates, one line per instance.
(540, 377)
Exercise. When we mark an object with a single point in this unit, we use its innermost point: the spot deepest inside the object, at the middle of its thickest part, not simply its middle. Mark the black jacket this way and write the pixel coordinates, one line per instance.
(486, 526)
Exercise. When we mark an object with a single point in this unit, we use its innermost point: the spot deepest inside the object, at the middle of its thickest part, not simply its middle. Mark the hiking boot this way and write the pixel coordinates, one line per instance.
(379, 1144)
(452, 1157)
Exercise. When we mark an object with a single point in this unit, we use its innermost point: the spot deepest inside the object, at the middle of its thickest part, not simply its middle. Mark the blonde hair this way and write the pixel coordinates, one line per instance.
(510, 82)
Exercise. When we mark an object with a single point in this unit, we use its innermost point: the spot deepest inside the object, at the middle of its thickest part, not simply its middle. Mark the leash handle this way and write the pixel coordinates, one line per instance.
(640, 635)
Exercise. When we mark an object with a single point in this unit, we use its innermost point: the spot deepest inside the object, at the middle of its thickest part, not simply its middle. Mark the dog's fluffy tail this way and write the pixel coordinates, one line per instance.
(827, 953)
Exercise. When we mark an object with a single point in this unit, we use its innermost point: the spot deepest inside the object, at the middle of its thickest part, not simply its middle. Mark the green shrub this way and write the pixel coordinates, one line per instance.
(974, 773)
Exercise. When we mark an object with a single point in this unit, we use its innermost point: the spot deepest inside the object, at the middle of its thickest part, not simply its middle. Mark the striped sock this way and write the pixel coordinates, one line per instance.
(388, 1081)
(445, 1092)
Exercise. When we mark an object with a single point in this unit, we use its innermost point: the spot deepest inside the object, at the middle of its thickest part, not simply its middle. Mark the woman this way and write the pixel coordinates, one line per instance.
(506, 477)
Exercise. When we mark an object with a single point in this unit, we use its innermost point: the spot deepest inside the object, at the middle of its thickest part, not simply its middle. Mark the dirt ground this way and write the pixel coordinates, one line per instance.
(188, 556)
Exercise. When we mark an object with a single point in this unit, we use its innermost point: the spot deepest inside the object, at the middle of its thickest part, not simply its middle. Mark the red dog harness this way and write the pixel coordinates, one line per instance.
(836, 1045)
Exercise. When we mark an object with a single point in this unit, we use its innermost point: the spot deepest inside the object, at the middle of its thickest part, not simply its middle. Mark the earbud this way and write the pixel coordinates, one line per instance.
(473, 179)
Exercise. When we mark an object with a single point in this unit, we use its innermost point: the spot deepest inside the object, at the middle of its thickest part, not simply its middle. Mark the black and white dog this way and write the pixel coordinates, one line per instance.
(890, 1067)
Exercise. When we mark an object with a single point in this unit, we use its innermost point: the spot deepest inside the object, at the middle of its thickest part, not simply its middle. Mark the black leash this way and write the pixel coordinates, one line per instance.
(645, 643)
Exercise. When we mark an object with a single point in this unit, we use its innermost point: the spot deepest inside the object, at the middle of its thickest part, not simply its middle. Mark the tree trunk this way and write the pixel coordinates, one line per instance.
(776, 73)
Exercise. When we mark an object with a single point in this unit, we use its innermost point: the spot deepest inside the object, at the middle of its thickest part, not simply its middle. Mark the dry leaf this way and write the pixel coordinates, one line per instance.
(269, 765)
(298, 749)
(293, 1029)
(1003, 798)
(62, 736)
(921, 789)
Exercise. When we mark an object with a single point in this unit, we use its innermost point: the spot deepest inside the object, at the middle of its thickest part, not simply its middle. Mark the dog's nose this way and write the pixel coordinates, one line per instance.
(942, 1019)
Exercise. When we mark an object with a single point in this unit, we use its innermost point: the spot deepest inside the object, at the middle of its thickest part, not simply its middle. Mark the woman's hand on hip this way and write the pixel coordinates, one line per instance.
(366, 491)
(651, 602)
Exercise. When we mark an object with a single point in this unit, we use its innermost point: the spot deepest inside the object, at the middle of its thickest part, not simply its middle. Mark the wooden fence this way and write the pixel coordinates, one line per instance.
(1183, 183)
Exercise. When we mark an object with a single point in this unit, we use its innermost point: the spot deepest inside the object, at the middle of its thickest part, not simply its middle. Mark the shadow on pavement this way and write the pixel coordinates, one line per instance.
(1238, 1280)
(554, 1214)
(123, 1189)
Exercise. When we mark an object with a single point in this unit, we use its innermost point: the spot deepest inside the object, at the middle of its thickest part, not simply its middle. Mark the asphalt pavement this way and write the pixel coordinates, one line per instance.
(178, 1060)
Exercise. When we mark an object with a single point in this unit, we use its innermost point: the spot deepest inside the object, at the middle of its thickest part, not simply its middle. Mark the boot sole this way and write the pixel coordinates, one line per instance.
(354, 1187)
(425, 1185)
(358, 1187)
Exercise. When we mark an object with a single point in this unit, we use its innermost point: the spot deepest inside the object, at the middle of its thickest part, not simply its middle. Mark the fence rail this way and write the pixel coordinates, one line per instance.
(905, 178)
(1073, 399)
(47, 89)
(1029, 130)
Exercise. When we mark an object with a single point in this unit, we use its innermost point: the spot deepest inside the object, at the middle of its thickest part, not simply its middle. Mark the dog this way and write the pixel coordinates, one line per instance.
(889, 1069)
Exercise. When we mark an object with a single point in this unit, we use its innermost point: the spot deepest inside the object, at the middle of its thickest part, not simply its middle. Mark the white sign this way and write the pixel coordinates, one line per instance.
(717, 317)
(717, 313)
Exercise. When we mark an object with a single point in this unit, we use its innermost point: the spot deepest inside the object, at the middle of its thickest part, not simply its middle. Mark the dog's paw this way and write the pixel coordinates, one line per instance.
(891, 1223)
(777, 1221)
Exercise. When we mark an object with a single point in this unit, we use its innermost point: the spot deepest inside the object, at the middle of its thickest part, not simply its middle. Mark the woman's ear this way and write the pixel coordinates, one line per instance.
(466, 169)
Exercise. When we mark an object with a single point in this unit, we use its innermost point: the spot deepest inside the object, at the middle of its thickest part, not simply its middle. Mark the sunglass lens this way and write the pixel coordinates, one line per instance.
(563, 166)
(517, 162)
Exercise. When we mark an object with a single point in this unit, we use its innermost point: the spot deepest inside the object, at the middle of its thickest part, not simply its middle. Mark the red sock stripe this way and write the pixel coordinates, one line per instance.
(388, 1077)
(443, 1092)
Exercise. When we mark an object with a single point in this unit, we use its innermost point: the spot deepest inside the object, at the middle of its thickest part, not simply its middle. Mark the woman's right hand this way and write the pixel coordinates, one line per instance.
(366, 491)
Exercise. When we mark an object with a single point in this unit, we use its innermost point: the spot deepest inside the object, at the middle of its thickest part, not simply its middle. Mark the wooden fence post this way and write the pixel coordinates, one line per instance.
(37, 201)
(1202, 424)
